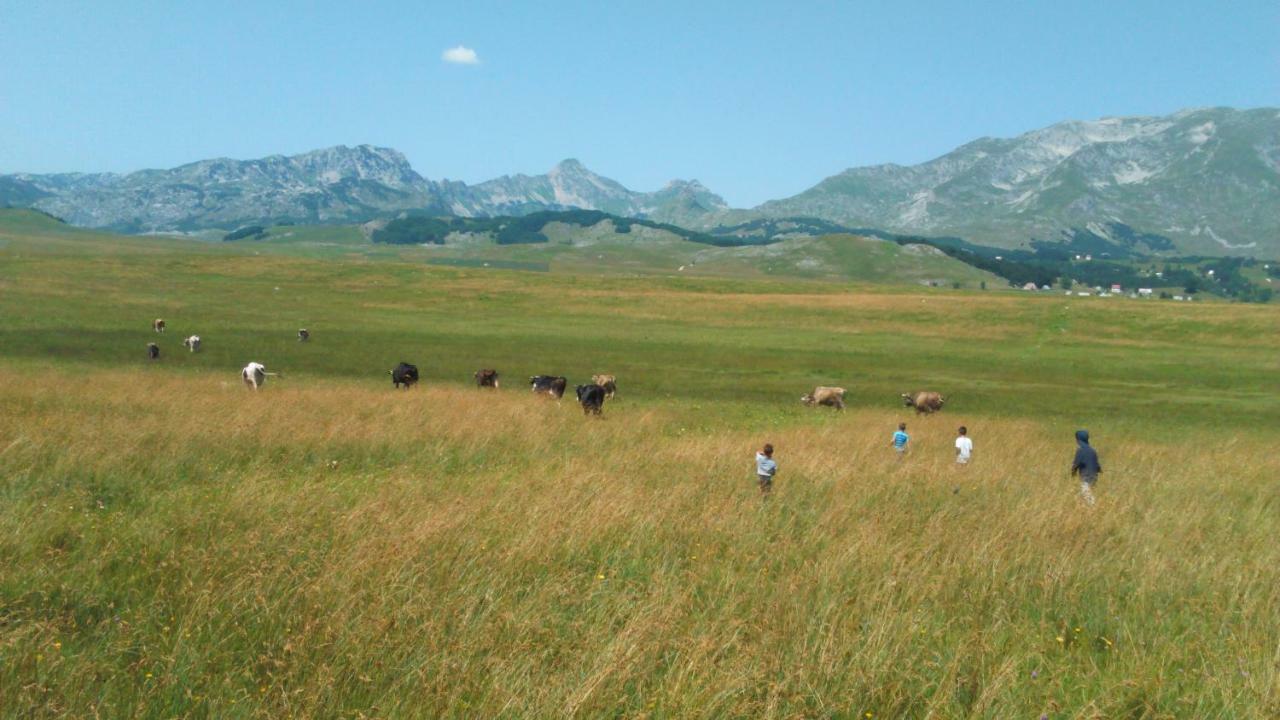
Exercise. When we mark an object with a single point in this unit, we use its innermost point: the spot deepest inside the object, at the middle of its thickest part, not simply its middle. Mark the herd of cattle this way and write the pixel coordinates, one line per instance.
(590, 396)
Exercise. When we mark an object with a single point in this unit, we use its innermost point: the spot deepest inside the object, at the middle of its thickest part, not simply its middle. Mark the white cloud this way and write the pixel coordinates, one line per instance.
(460, 55)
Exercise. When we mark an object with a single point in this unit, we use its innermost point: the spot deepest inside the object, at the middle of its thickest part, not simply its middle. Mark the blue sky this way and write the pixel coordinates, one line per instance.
(757, 100)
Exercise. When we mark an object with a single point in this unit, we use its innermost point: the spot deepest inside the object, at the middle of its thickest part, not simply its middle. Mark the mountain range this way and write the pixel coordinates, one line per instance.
(1201, 181)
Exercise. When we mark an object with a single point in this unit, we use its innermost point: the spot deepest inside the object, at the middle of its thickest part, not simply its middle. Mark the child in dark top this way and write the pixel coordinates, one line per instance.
(1086, 466)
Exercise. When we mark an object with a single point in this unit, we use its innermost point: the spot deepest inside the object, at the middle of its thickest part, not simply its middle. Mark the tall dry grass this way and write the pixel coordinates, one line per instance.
(178, 547)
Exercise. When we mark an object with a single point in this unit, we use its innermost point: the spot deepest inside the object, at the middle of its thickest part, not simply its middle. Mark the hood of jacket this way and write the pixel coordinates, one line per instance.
(1082, 437)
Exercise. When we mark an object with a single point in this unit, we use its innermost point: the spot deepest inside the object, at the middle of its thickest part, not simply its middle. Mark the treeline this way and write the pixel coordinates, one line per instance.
(1044, 264)
(1057, 265)
(251, 232)
(766, 231)
(518, 230)
(1224, 275)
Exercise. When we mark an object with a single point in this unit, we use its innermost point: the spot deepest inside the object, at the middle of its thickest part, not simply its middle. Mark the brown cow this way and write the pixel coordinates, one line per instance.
(608, 382)
(158, 324)
(823, 395)
(924, 402)
(487, 378)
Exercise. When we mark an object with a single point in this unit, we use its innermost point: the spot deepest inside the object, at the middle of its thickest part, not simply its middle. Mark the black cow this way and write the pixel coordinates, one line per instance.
(153, 351)
(304, 335)
(591, 397)
(404, 374)
(487, 378)
(550, 384)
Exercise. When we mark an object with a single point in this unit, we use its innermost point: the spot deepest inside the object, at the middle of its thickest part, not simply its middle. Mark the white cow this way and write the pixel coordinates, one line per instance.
(255, 375)
(192, 343)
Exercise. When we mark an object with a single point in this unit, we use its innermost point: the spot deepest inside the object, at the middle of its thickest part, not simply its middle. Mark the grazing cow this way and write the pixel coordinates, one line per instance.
(591, 397)
(158, 325)
(608, 382)
(552, 385)
(487, 378)
(304, 335)
(255, 375)
(404, 374)
(153, 351)
(924, 402)
(192, 343)
(823, 395)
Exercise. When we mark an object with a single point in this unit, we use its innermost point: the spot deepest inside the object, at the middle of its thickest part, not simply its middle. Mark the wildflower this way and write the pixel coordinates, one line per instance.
(1077, 629)
(57, 645)
(600, 577)
(1035, 674)
(1061, 639)
(148, 675)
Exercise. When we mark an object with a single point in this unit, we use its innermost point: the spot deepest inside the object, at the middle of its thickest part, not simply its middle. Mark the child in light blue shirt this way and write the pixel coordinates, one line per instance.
(766, 468)
(900, 440)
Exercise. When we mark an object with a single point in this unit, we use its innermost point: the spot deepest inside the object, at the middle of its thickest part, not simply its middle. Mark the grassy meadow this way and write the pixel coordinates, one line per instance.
(172, 545)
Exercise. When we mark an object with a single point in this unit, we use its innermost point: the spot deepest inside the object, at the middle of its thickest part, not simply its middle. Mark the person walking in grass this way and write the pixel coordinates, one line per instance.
(900, 440)
(964, 447)
(766, 468)
(1085, 466)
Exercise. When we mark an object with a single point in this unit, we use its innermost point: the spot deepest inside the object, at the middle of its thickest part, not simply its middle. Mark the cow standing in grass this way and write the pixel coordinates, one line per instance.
(608, 382)
(255, 375)
(304, 335)
(153, 351)
(487, 378)
(192, 343)
(158, 325)
(823, 395)
(404, 374)
(552, 385)
(924, 402)
(591, 397)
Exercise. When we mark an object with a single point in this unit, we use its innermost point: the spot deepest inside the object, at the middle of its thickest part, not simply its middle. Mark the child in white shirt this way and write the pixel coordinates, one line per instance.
(964, 447)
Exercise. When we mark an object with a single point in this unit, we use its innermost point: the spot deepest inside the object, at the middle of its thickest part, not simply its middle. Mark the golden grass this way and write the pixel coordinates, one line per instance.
(182, 547)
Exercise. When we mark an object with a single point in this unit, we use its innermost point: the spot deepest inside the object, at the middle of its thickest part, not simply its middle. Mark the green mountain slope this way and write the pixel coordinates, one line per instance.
(1206, 180)
(600, 247)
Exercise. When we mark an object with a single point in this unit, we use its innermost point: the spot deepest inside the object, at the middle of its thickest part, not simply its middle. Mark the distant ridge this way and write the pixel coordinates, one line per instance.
(1206, 179)
(1202, 181)
(331, 185)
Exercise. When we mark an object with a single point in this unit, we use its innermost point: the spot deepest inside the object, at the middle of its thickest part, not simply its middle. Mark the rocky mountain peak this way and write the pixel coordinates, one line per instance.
(1206, 179)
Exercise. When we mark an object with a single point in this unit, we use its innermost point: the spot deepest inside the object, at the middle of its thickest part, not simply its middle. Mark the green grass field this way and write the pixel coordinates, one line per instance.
(173, 545)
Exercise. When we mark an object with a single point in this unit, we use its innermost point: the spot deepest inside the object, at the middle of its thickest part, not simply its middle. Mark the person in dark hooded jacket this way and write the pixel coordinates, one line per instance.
(1085, 465)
